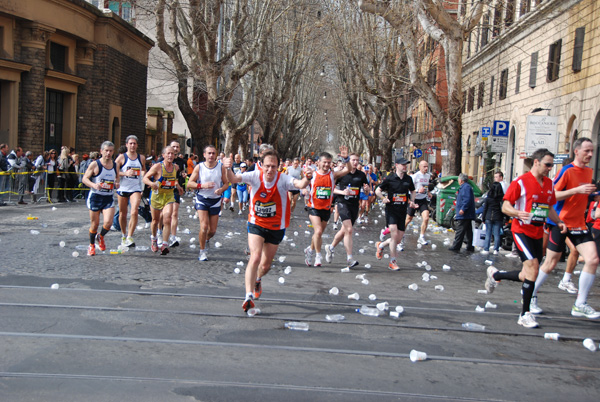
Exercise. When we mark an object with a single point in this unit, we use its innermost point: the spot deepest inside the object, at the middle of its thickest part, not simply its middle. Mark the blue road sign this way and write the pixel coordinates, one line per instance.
(501, 128)
(485, 131)
(417, 153)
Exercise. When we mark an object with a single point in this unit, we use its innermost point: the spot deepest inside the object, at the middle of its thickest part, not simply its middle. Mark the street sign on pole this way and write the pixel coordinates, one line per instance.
(499, 142)
(485, 132)
(417, 153)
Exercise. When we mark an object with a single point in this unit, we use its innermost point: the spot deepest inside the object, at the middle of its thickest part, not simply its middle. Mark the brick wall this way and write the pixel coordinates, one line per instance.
(115, 79)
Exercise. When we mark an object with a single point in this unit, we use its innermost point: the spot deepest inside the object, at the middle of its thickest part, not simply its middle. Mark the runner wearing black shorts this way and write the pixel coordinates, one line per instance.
(348, 190)
(400, 194)
(572, 197)
(529, 199)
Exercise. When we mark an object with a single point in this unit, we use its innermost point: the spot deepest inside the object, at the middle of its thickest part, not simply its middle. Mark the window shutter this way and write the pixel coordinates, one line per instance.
(578, 48)
(533, 70)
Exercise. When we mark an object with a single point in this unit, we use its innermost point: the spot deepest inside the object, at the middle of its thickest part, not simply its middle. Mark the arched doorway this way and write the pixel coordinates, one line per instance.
(510, 155)
(571, 136)
(596, 136)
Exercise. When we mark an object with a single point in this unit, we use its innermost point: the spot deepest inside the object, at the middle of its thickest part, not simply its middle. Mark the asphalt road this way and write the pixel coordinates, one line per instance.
(142, 327)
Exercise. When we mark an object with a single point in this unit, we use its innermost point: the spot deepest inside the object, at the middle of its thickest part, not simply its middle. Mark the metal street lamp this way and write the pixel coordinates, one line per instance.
(539, 109)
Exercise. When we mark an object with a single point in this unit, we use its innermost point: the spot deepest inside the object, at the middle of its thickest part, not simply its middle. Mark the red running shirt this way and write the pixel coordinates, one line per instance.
(526, 194)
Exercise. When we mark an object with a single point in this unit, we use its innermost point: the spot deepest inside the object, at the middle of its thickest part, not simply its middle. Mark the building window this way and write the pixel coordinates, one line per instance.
(525, 7)
(503, 84)
(492, 90)
(471, 101)
(509, 17)
(126, 12)
(58, 57)
(114, 6)
(518, 81)
(497, 18)
(480, 95)
(464, 108)
(554, 61)
(432, 76)
(578, 49)
(533, 70)
(463, 8)
(469, 45)
(2, 50)
(485, 29)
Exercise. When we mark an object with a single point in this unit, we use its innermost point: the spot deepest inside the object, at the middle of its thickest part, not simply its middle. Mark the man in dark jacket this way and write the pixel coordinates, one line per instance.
(465, 213)
(492, 214)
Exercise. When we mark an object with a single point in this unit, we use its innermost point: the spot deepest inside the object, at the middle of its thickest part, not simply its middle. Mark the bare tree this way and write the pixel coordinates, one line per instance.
(450, 33)
(291, 56)
(214, 44)
(372, 76)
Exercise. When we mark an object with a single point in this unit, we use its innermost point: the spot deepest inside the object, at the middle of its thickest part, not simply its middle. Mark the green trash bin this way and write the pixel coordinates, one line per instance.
(447, 197)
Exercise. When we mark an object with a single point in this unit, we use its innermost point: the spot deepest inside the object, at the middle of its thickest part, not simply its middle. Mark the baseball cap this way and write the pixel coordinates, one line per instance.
(243, 165)
(402, 161)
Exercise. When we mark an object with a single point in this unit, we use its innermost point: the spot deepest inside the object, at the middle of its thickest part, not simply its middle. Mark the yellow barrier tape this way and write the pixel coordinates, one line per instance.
(38, 171)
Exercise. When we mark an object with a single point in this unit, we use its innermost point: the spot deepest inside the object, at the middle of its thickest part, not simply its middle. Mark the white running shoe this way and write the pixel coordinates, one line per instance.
(490, 282)
(328, 253)
(527, 320)
(567, 286)
(533, 306)
(352, 263)
(202, 256)
(318, 260)
(484, 252)
(381, 235)
(495, 252)
(308, 256)
(512, 255)
(422, 240)
(240, 212)
(335, 226)
(129, 242)
(585, 311)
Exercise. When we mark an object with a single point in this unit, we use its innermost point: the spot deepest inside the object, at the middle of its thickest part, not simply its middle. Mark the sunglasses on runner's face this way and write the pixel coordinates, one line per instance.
(550, 164)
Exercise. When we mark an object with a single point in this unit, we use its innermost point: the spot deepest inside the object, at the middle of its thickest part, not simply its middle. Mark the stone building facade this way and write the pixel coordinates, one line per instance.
(70, 74)
(532, 58)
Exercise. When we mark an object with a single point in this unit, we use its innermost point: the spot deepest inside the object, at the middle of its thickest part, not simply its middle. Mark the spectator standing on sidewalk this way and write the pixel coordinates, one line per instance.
(39, 165)
(465, 213)
(4, 176)
(492, 214)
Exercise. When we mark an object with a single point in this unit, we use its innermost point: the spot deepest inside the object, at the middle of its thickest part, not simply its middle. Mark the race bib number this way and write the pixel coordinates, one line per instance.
(399, 198)
(354, 191)
(265, 210)
(168, 184)
(578, 231)
(106, 186)
(323, 193)
(135, 172)
(539, 213)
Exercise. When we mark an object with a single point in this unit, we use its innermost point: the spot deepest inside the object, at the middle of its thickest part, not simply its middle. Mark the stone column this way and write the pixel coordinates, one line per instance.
(32, 100)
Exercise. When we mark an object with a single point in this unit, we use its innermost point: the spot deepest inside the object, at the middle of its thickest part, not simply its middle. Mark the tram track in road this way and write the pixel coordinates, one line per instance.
(298, 349)
(246, 385)
(388, 323)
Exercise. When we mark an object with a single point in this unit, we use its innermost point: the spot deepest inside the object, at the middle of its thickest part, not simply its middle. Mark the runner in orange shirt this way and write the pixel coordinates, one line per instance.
(320, 197)
(573, 185)
(268, 218)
